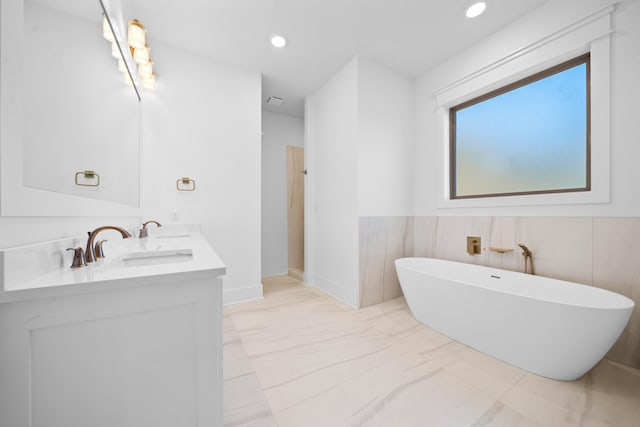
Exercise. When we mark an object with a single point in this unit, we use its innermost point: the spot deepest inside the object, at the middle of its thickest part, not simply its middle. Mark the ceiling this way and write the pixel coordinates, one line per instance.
(409, 36)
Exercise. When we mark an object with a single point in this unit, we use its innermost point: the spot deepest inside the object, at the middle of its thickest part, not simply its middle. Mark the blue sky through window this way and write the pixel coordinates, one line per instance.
(533, 138)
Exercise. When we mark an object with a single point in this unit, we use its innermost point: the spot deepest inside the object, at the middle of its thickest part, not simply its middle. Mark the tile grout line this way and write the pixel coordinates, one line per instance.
(499, 400)
(524, 374)
(262, 388)
(353, 318)
(253, 371)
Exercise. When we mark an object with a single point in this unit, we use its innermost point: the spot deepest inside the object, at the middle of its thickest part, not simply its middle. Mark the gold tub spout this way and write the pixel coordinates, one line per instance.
(528, 259)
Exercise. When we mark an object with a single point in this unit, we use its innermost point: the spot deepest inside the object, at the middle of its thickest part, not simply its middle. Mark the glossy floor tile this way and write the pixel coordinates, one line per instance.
(301, 358)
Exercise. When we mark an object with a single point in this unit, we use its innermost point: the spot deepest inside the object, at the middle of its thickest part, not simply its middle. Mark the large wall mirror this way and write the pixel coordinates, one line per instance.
(66, 109)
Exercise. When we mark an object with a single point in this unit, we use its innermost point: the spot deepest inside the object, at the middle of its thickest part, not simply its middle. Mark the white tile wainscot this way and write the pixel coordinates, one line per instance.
(128, 341)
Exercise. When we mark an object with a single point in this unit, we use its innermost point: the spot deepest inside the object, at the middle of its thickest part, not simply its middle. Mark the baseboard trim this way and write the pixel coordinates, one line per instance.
(276, 271)
(336, 291)
(284, 273)
(237, 295)
(296, 274)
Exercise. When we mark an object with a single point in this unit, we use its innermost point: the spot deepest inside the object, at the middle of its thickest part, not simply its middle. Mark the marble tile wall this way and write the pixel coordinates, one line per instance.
(382, 241)
(562, 246)
(602, 252)
(616, 266)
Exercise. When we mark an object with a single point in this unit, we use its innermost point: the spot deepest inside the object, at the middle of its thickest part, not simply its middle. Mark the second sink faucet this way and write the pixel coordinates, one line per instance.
(89, 253)
(143, 230)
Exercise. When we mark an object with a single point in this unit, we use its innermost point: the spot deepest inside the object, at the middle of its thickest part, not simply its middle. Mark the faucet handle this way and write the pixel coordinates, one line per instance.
(98, 249)
(78, 257)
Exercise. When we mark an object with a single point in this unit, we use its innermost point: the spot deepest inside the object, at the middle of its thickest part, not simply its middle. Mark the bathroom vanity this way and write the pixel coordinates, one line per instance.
(134, 339)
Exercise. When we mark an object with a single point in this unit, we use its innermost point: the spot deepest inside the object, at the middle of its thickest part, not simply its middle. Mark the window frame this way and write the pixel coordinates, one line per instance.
(556, 69)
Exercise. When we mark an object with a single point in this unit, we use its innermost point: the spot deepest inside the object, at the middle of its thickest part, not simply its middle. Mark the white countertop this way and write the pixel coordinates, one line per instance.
(128, 262)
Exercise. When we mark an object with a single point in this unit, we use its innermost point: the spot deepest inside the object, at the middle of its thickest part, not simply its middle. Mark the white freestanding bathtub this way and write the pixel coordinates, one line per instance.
(550, 327)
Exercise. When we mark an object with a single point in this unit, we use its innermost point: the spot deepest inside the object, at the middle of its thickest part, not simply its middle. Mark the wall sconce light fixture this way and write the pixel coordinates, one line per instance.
(137, 42)
(137, 38)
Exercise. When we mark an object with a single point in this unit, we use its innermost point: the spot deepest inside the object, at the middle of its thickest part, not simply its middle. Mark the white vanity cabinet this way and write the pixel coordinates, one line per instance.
(141, 346)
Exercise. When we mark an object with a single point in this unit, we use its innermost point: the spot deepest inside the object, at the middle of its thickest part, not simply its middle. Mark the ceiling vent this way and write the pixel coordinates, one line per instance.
(275, 101)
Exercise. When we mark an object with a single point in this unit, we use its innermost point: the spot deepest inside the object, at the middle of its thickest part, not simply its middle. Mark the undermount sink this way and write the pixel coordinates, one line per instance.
(140, 259)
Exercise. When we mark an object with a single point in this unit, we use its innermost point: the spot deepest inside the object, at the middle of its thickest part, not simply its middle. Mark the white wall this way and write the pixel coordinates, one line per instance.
(203, 122)
(360, 146)
(333, 175)
(625, 67)
(18, 231)
(279, 131)
(385, 141)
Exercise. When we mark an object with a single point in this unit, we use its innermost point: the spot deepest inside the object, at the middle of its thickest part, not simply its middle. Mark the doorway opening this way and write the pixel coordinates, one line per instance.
(295, 210)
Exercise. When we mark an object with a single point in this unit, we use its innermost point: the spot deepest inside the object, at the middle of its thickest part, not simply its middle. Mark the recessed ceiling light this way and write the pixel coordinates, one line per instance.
(278, 41)
(476, 9)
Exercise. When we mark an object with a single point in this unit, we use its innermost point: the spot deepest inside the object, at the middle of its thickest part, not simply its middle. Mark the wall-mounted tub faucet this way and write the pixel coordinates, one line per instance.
(143, 230)
(473, 245)
(89, 253)
(528, 259)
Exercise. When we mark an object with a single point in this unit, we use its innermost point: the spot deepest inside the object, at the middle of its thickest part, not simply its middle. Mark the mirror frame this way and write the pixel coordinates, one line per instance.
(15, 198)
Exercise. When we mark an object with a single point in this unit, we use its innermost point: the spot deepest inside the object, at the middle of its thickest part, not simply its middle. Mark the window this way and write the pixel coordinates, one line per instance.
(529, 137)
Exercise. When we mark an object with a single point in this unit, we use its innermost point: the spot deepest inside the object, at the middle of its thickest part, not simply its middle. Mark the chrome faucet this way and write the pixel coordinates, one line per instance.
(528, 259)
(90, 253)
(143, 230)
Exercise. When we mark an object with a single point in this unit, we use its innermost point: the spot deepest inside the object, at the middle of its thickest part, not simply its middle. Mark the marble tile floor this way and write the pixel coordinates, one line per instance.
(300, 358)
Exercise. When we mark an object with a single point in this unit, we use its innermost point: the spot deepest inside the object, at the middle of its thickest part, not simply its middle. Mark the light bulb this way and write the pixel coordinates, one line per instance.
(122, 66)
(146, 70)
(141, 55)
(149, 82)
(115, 51)
(136, 35)
(106, 30)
